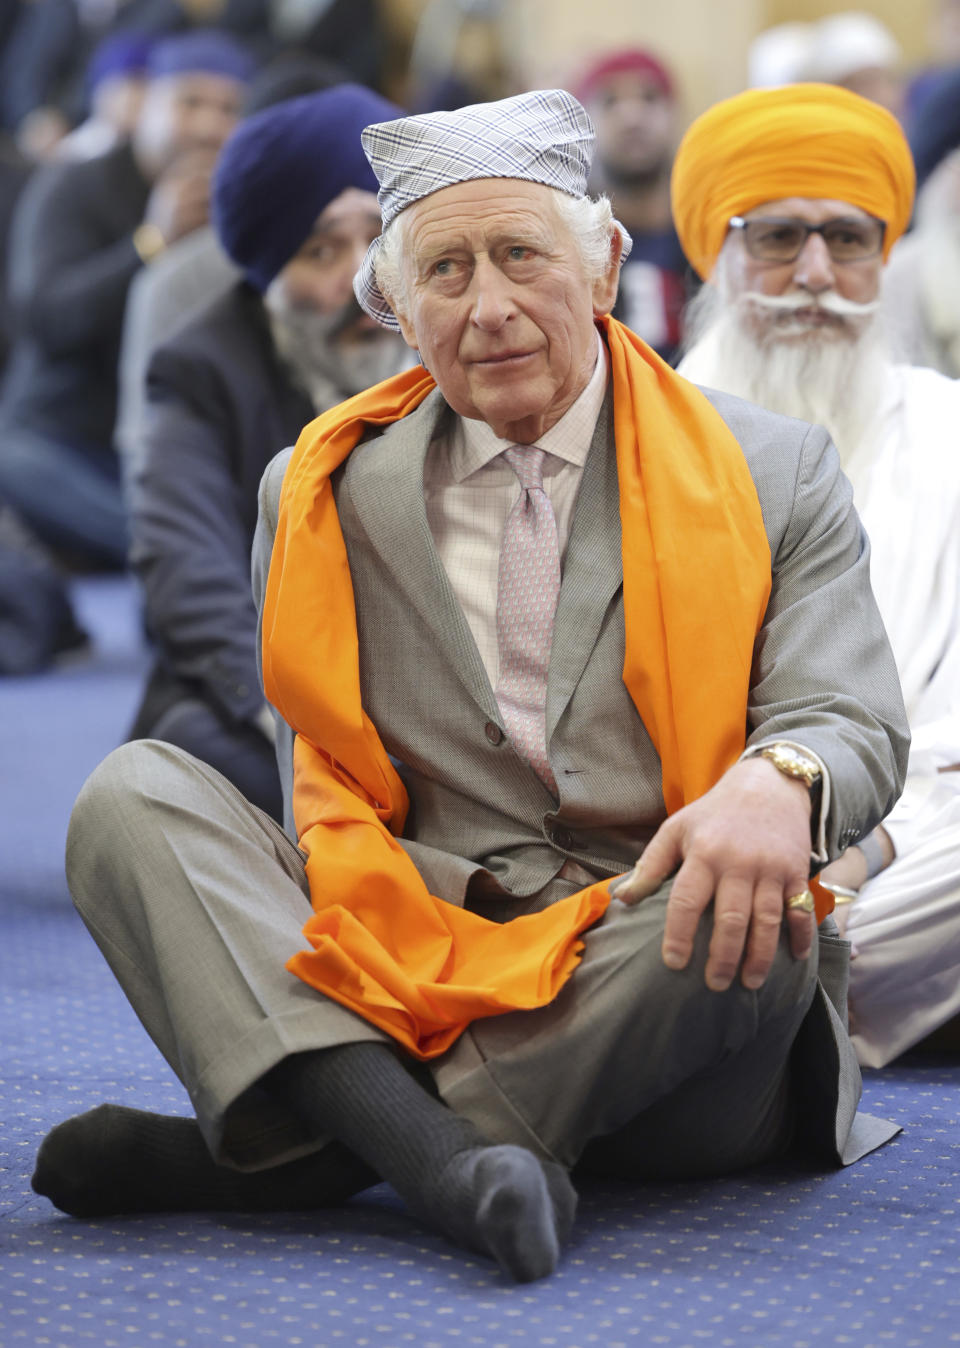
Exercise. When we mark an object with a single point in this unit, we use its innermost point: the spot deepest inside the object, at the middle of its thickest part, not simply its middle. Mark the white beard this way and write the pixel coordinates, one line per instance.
(327, 364)
(831, 375)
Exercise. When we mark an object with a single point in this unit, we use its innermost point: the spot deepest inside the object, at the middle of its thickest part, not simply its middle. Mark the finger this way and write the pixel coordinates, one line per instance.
(764, 937)
(660, 858)
(732, 911)
(691, 893)
(801, 926)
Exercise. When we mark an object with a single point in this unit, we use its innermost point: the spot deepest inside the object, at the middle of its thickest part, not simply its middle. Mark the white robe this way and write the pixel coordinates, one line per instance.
(905, 922)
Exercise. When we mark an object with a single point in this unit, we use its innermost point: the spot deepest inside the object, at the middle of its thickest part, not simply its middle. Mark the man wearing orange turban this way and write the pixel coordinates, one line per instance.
(801, 140)
(789, 201)
(536, 617)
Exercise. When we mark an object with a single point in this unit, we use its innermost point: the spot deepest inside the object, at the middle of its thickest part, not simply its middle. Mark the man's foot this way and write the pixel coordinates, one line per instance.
(502, 1202)
(497, 1200)
(114, 1160)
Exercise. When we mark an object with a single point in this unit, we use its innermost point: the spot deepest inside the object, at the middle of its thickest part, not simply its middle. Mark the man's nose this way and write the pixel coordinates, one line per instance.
(814, 269)
(492, 304)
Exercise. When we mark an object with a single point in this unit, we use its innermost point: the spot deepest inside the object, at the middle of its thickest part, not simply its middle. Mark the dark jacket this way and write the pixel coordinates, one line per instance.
(71, 262)
(50, 46)
(220, 406)
(14, 172)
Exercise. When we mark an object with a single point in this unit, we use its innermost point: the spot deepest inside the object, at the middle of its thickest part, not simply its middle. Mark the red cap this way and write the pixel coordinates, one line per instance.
(616, 63)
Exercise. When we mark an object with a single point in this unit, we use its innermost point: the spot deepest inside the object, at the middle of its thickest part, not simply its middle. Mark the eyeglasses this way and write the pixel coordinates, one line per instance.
(768, 239)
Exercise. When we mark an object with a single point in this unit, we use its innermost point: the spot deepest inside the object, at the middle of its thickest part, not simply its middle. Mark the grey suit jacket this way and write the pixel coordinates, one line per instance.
(483, 829)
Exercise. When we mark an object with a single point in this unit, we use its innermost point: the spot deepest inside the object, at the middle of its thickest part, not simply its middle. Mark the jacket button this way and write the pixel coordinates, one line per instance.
(493, 732)
(563, 837)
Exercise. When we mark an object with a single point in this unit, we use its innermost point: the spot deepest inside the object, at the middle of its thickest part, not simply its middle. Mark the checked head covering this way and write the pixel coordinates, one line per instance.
(540, 137)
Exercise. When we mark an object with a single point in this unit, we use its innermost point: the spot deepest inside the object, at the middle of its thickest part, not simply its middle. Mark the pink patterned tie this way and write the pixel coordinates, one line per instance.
(527, 593)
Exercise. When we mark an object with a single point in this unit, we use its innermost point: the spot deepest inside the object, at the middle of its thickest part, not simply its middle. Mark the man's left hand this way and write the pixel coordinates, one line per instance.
(746, 846)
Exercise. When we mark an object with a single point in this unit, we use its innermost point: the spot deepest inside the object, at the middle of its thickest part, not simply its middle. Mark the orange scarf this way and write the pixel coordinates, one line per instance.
(696, 565)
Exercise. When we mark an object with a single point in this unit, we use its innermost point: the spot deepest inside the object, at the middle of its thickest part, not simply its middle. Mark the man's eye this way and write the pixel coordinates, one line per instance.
(443, 268)
(518, 253)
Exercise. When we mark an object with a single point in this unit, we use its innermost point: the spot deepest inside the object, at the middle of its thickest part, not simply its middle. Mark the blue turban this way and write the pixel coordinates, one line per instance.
(282, 166)
(204, 50)
(123, 53)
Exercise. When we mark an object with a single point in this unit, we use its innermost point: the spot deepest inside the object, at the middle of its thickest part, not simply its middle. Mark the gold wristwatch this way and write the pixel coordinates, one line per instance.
(793, 763)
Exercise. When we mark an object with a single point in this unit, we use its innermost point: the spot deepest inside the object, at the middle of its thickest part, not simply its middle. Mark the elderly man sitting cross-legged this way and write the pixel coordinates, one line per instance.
(790, 201)
(492, 702)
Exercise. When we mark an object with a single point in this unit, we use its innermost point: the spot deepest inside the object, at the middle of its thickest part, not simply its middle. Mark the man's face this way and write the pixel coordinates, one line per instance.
(499, 304)
(195, 110)
(117, 101)
(324, 330)
(813, 277)
(635, 125)
(320, 275)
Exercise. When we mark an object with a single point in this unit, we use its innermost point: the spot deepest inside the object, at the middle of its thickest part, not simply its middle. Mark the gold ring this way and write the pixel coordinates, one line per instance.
(801, 902)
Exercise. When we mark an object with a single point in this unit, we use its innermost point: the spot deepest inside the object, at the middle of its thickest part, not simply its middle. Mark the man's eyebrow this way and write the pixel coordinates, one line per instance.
(531, 235)
(338, 226)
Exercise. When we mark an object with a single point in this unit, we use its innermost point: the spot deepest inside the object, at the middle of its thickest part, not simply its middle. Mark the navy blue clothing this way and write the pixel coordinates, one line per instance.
(656, 282)
(220, 406)
(71, 263)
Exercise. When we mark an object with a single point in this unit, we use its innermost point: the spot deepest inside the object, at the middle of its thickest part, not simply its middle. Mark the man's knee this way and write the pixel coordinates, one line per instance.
(113, 802)
(635, 962)
(121, 782)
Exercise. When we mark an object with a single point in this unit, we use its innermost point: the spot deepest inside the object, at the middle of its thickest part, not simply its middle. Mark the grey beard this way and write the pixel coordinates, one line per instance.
(327, 368)
(828, 378)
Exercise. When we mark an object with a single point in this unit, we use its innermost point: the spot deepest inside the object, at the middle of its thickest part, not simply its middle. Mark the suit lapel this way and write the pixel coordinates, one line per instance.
(592, 571)
(385, 485)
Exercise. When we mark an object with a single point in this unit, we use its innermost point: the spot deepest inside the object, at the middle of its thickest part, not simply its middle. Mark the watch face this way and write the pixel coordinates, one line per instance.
(793, 763)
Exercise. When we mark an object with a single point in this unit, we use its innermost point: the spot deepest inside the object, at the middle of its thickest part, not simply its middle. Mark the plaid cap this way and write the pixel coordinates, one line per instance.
(541, 137)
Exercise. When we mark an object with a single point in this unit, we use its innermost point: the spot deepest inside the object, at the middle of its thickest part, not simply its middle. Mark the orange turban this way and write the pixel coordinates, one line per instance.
(800, 140)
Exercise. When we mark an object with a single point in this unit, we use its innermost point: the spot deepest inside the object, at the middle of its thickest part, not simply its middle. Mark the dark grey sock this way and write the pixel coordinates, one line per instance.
(115, 1160)
(499, 1200)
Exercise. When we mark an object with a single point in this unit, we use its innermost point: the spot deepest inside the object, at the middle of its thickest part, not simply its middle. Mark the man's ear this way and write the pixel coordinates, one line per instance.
(406, 330)
(606, 286)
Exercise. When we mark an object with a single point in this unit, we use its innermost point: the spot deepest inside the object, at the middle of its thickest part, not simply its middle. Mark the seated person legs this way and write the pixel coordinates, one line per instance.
(274, 1070)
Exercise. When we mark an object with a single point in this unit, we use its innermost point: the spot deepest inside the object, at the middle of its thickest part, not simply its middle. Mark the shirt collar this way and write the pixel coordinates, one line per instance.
(473, 444)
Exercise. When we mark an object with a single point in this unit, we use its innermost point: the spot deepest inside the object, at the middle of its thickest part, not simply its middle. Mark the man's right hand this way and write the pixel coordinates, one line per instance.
(745, 847)
(180, 200)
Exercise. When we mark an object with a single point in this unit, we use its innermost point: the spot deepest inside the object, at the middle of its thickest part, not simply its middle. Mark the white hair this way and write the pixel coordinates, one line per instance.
(590, 222)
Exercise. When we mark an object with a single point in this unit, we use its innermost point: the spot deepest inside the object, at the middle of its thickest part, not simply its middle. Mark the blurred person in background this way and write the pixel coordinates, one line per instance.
(43, 88)
(295, 208)
(779, 55)
(116, 80)
(921, 291)
(15, 170)
(943, 52)
(856, 51)
(631, 98)
(81, 233)
(350, 33)
(194, 270)
(788, 202)
(852, 49)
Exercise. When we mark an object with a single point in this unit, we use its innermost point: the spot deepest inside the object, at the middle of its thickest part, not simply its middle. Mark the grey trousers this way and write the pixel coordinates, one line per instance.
(197, 900)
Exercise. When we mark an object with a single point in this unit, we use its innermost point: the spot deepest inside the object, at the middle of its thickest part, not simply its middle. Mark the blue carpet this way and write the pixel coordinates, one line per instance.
(782, 1257)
